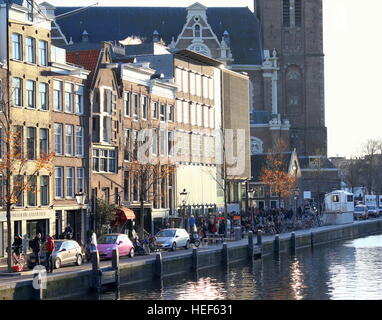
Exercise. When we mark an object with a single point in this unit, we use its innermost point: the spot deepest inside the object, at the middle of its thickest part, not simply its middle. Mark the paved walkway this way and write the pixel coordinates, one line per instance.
(27, 275)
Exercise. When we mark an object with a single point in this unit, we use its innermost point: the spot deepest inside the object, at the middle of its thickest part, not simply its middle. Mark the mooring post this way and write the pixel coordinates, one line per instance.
(158, 266)
(195, 259)
(96, 271)
(250, 245)
(276, 244)
(293, 243)
(225, 254)
(259, 237)
(115, 266)
(38, 283)
(312, 239)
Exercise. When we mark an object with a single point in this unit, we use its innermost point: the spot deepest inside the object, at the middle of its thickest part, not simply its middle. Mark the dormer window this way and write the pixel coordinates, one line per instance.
(197, 31)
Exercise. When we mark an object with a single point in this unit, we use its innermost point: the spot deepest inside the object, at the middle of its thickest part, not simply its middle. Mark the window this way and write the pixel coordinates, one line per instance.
(69, 140)
(335, 198)
(126, 186)
(170, 143)
(107, 129)
(58, 138)
(18, 145)
(197, 31)
(155, 142)
(30, 10)
(104, 160)
(297, 13)
(79, 99)
(162, 142)
(30, 51)
(185, 112)
(32, 191)
(286, 13)
(70, 182)
(211, 88)
(107, 101)
(127, 144)
(127, 98)
(155, 110)
(44, 94)
(144, 107)
(349, 198)
(17, 92)
(31, 143)
(79, 141)
(80, 179)
(199, 115)
(193, 114)
(198, 85)
(205, 87)
(57, 95)
(171, 115)
(18, 182)
(31, 93)
(163, 112)
(43, 52)
(179, 110)
(185, 81)
(44, 142)
(17, 52)
(136, 106)
(192, 83)
(69, 97)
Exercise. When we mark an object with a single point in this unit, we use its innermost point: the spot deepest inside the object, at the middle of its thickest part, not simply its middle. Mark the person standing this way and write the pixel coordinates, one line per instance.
(36, 247)
(49, 249)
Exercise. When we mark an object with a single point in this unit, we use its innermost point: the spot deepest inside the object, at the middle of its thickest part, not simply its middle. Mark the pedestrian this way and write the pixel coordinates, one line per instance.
(49, 249)
(17, 247)
(93, 242)
(68, 232)
(192, 224)
(36, 247)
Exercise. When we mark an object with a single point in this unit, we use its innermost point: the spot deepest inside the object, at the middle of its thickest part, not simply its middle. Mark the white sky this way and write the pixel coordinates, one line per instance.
(352, 68)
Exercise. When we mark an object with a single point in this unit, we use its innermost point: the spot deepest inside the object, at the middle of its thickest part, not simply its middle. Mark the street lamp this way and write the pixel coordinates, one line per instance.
(184, 197)
(81, 198)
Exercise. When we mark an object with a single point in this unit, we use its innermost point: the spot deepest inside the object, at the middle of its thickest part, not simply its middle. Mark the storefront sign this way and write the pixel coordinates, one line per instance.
(27, 215)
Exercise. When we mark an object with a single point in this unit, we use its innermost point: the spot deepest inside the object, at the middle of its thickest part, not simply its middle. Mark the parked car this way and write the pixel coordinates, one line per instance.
(172, 239)
(380, 210)
(108, 242)
(360, 212)
(65, 252)
(372, 211)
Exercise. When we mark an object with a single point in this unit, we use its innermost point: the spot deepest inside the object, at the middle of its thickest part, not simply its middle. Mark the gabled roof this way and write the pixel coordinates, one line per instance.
(325, 163)
(86, 58)
(118, 23)
(259, 161)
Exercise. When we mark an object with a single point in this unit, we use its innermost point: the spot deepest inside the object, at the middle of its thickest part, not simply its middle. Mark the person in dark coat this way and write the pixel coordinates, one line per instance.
(36, 247)
(17, 246)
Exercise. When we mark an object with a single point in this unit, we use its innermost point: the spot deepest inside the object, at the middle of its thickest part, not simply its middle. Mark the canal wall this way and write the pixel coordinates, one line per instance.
(80, 282)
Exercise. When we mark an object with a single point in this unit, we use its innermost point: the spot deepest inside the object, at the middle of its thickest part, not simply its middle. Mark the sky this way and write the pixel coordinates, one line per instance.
(353, 99)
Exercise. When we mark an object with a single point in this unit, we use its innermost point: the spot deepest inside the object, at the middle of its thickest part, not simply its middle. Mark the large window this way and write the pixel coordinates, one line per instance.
(80, 179)
(58, 138)
(69, 140)
(70, 182)
(44, 142)
(17, 87)
(170, 143)
(79, 99)
(286, 13)
(298, 13)
(57, 95)
(44, 185)
(155, 110)
(59, 182)
(155, 142)
(69, 97)
(104, 160)
(31, 93)
(44, 96)
(162, 142)
(127, 98)
(171, 113)
(17, 52)
(18, 144)
(79, 141)
(31, 143)
(32, 191)
(18, 182)
(43, 52)
(127, 144)
(30, 51)
(107, 101)
(163, 112)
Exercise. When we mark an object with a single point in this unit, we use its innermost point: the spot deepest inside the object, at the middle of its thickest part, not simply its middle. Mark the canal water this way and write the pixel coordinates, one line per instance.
(342, 270)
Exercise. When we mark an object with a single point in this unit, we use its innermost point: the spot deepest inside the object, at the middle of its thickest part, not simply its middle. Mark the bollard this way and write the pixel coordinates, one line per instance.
(158, 266)
(312, 239)
(250, 245)
(259, 237)
(115, 266)
(276, 244)
(38, 286)
(293, 243)
(195, 259)
(225, 254)
(96, 271)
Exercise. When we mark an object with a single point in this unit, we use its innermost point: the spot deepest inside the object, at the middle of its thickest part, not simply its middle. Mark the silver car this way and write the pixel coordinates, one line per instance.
(172, 239)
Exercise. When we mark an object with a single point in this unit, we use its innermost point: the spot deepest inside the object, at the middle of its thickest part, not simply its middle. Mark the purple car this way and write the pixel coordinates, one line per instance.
(107, 243)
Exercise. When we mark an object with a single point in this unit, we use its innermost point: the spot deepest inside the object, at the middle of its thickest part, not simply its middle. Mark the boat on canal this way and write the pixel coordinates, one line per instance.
(339, 208)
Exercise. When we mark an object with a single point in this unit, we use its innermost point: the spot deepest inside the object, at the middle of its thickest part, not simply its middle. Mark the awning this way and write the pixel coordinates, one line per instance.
(121, 216)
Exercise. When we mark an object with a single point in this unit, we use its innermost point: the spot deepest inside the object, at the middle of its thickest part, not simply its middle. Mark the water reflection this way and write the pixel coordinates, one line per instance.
(347, 270)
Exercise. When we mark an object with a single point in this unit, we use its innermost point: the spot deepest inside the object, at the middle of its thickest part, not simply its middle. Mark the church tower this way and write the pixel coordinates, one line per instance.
(295, 29)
